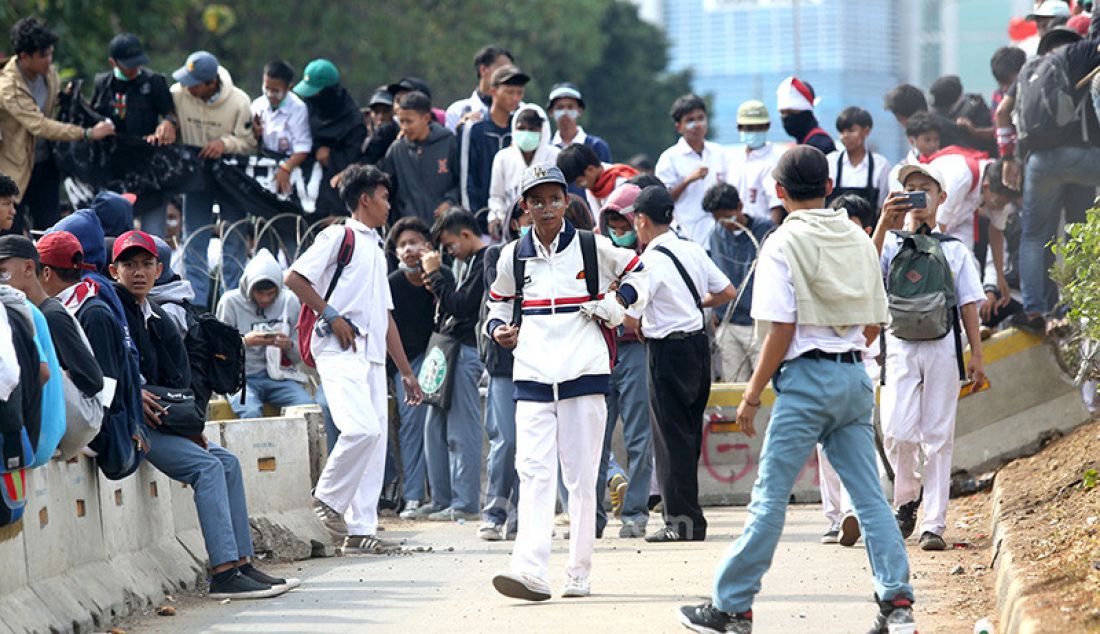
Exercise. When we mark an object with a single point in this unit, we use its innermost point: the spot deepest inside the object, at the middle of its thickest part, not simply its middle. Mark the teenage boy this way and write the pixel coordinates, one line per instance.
(921, 388)
(265, 314)
(422, 163)
(683, 282)
(355, 332)
(795, 102)
(280, 123)
(452, 438)
(855, 169)
(691, 167)
(583, 168)
(751, 170)
(9, 194)
(562, 368)
(479, 141)
(812, 352)
(566, 105)
(476, 106)
(530, 145)
(734, 246)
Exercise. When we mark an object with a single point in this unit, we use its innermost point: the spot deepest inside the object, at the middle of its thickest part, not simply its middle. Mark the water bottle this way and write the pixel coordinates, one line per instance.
(984, 626)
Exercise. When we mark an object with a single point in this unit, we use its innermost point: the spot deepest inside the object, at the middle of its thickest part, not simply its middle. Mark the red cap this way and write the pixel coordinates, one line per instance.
(130, 197)
(61, 250)
(134, 239)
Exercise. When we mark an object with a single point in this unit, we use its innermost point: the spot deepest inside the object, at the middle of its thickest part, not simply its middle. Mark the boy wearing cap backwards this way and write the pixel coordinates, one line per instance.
(920, 392)
(795, 102)
(751, 170)
(819, 284)
(479, 141)
(561, 373)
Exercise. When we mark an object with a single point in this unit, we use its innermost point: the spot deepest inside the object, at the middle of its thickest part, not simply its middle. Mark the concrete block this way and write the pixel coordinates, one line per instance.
(318, 441)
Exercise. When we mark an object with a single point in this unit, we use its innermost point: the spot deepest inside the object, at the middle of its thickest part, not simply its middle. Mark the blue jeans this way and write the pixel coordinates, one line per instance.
(215, 476)
(198, 212)
(1053, 179)
(260, 389)
(629, 398)
(331, 431)
(452, 440)
(411, 437)
(502, 493)
(818, 401)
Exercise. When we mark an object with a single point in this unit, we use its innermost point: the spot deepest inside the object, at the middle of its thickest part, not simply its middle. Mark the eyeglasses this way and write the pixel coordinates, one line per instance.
(538, 205)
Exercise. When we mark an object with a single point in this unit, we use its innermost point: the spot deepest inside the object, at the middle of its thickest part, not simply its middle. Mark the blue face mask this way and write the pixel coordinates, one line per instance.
(754, 139)
(628, 239)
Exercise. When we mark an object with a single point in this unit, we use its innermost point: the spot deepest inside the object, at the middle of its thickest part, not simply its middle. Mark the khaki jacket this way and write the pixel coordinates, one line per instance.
(21, 122)
(229, 118)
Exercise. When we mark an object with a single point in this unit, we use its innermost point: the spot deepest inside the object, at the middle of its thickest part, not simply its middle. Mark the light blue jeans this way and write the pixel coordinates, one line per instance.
(198, 212)
(452, 440)
(215, 476)
(261, 388)
(629, 398)
(411, 438)
(502, 491)
(818, 401)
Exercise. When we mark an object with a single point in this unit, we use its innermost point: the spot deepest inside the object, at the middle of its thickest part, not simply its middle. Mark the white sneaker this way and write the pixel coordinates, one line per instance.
(410, 511)
(491, 532)
(520, 586)
(576, 587)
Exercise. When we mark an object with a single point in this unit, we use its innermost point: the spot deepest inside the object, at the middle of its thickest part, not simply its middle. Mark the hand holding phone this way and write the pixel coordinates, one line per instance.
(917, 200)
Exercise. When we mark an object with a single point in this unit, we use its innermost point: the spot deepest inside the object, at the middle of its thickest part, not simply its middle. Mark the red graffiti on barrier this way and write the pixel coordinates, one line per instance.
(734, 475)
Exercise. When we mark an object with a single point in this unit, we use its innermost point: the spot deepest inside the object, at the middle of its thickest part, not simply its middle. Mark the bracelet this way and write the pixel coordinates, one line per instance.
(87, 133)
(751, 404)
(329, 314)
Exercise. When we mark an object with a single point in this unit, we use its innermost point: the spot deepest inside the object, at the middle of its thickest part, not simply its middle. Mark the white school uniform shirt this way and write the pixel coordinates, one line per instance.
(9, 362)
(362, 294)
(773, 300)
(856, 175)
(751, 174)
(964, 196)
(458, 109)
(286, 128)
(670, 307)
(676, 164)
(964, 268)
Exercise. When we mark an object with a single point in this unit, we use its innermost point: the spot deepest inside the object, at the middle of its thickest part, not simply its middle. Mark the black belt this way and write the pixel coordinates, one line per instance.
(840, 357)
(680, 334)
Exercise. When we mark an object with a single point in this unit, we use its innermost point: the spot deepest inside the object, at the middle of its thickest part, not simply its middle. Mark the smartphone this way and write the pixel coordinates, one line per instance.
(917, 200)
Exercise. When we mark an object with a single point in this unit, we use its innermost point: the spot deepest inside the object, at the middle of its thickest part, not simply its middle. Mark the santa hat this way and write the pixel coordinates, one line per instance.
(795, 94)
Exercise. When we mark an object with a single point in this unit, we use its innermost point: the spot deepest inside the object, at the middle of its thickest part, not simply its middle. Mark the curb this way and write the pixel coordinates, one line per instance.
(1014, 603)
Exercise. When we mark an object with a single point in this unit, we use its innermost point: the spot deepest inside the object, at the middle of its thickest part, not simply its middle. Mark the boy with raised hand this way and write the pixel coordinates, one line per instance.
(562, 373)
(351, 358)
(820, 287)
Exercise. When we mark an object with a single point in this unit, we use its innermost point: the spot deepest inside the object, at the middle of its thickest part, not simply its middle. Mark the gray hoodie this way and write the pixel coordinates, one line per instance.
(237, 309)
(171, 296)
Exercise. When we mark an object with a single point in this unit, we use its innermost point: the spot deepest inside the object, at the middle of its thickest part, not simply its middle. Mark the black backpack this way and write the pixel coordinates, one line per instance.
(1050, 110)
(215, 351)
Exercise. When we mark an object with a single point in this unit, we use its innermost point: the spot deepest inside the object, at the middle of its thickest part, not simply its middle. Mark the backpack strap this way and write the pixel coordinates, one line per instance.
(591, 265)
(687, 280)
(958, 341)
(343, 258)
(519, 270)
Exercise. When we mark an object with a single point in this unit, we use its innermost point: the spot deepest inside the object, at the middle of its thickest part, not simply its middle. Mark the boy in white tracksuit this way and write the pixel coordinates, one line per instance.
(920, 394)
(561, 373)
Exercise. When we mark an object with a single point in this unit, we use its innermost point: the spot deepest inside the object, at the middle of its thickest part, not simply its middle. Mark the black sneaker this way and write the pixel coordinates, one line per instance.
(891, 614)
(254, 573)
(708, 619)
(932, 541)
(907, 516)
(239, 586)
(1034, 324)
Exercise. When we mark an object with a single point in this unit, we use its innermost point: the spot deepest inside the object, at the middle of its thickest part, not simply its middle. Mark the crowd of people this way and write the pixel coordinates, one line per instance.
(494, 245)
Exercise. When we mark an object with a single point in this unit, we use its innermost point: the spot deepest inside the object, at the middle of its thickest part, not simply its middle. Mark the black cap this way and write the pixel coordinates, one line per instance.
(655, 202)
(126, 50)
(410, 84)
(1056, 37)
(381, 98)
(509, 75)
(16, 246)
(802, 169)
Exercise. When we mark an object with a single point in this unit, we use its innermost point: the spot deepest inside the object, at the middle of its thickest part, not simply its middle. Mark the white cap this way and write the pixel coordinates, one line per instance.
(794, 94)
(1050, 9)
(921, 168)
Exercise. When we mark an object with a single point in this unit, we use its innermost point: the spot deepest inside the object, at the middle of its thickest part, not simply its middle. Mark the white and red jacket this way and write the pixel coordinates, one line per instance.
(560, 354)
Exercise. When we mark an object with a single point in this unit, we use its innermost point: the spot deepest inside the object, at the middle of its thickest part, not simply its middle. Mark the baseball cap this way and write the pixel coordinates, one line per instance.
(908, 170)
(201, 67)
(1050, 9)
(17, 246)
(126, 50)
(655, 202)
(622, 199)
(562, 91)
(61, 250)
(318, 75)
(1057, 37)
(410, 84)
(753, 112)
(381, 97)
(133, 239)
(801, 168)
(509, 75)
(540, 173)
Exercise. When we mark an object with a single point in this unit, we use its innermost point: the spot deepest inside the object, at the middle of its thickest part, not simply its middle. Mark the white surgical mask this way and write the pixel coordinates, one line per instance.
(526, 140)
(572, 114)
(275, 96)
(755, 139)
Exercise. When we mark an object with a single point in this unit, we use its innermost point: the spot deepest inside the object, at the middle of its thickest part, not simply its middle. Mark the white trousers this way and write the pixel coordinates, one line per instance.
(352, 479)
(570, 431)
(739, 349)
(919, 402)
(834, 499)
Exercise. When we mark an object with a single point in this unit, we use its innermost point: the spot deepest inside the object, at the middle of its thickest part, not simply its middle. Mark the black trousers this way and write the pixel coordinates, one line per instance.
(679, 385)
(41, 203)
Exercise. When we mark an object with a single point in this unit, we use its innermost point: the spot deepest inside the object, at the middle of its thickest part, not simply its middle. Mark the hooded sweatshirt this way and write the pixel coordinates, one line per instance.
(237, 309)
(172, 293)
(228, 117)
(424, 173)
(115, 213)
(509, 165)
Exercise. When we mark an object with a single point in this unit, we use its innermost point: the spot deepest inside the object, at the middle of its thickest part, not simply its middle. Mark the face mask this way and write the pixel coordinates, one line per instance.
(799, 124)
(754, 139)
(275, 96)
(572, 114)
(523, 231)
(526, 140)
(119, 75)
(405, 268)
(172, 223)
(692, 125)
(627, 239)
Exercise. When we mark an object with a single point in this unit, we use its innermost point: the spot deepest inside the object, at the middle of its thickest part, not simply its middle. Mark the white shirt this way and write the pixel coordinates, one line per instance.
(751, 174)
(675, 165)
(9, 363)
(578, 138)
(964, 196)
(964, 269)
(286, 128)
(856, 175)
(362, 295)
(773, 300)
(458, 109)
(670, 307)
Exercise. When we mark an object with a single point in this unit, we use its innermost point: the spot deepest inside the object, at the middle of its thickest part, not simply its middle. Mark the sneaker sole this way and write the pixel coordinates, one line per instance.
(686, 622)
(576, 594)
(849, 531)
(515, 589)
(830, 540)
(495, 537)
(934, 547)
(271, 592)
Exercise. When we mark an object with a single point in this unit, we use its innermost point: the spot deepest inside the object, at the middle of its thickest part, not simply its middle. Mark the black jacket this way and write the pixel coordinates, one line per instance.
(460, 304)
(163, 358)
(135, 106)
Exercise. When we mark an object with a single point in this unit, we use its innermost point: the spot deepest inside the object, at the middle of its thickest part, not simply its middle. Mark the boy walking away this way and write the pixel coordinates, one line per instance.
(583, 168)
(795, 102)
(924, 348)
(855, 169)
(691, 167)
(683, 282)
(551, 302)
(423, 163)
(264, 313)
(479, 141)
(819, 285)
(354, 332)
(751, 170)
(530, 145)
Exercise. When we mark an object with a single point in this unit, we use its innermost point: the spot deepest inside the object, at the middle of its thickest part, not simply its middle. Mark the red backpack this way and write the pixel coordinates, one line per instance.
(307, 319)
